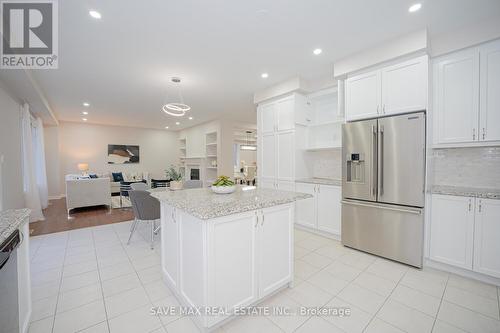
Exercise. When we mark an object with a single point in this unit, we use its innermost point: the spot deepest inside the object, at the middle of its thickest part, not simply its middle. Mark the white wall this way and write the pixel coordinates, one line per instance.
(74, 143)
(11, 181)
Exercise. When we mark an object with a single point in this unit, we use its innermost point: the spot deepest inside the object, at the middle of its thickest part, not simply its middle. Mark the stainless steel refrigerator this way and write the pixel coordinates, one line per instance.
(383, 184)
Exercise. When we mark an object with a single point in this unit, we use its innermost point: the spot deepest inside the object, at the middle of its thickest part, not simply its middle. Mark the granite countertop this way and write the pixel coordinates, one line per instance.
(487, 193)
(322, 181)
(11, 220)
(204, 204)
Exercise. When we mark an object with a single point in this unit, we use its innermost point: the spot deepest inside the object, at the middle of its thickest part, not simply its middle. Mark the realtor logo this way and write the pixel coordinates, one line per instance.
(30, 36)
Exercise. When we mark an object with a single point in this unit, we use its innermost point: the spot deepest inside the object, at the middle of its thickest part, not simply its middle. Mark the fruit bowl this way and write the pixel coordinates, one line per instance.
(223, 189)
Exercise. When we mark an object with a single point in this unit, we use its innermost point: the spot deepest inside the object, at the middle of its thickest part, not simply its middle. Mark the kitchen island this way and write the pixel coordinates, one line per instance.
(222, 252)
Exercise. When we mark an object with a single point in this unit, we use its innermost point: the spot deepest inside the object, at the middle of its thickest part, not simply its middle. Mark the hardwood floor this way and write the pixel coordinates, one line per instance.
(56, 218)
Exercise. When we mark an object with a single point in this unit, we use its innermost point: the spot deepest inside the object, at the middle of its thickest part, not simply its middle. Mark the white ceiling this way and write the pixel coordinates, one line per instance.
(122, 64)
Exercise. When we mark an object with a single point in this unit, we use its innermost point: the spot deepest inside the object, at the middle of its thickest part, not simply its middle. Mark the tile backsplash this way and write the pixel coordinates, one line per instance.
(325, 164)
(469, 167)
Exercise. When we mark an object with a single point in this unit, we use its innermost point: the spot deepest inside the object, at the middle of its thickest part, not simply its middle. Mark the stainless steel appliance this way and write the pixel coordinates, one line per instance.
(383, 184)
(9, 304)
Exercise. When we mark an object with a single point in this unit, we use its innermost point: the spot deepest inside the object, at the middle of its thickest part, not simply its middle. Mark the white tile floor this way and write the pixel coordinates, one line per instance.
(89, 280)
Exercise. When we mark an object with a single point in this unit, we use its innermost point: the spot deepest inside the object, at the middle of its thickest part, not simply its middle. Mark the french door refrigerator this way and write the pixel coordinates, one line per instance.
(383, 184)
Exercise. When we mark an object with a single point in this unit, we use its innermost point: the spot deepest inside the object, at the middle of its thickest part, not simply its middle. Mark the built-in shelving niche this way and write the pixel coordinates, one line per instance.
(211, 163)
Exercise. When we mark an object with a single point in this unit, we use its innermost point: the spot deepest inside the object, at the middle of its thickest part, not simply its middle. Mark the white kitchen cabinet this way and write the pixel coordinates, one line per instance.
(170, 244)
(456, 97)
(285, 114)
(363, 96)
(329, 208)
(267, 159)
(24, 278)
(404, 86)
(285, 185)
(266, 182)
(306, 209)
(321, 212)
(393, 89)
(489, 101)
(285, 155)
(452, 230)
(275, 249)
(233, 254)
(267, 123)
(486, 237)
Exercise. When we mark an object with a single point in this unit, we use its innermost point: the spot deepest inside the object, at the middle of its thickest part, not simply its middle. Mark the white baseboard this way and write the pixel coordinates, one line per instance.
(56, 197)
(462, 272)
(318, 232)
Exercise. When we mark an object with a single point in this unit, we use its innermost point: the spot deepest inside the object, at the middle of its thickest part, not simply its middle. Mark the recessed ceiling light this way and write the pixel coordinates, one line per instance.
(86, 104)
(85, 113)
(95, 14)
(84, 119)
(317, 51)
(177, 123)
(415, 7)
(166, 127)
(264, 75)
(190, 118)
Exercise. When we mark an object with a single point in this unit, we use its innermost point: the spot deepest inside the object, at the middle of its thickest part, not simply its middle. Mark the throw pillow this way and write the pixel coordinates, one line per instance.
(117, 176)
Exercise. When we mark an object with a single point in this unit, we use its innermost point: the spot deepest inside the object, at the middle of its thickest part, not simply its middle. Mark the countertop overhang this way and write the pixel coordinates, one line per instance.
(204, 204)
(10, 220)
(485, 193)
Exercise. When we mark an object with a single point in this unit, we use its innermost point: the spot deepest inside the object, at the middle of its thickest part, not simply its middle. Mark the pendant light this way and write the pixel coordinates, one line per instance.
(176, 109)
(248, 146)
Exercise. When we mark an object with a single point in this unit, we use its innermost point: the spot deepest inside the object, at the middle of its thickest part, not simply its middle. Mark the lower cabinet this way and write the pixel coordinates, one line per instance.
(170, 243)
(465, 233)
(284, 185)
(487, 237)
(24, 278)
(322, 211)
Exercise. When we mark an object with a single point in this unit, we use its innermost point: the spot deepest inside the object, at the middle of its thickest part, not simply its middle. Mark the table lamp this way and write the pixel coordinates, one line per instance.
(83, 167)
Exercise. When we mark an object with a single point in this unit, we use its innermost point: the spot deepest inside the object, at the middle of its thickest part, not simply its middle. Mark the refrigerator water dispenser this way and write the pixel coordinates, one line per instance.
(355, 168)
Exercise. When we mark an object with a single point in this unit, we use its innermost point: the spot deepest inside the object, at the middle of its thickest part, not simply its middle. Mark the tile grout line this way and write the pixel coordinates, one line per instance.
(60, 283)
(100, 282)
(441, 302)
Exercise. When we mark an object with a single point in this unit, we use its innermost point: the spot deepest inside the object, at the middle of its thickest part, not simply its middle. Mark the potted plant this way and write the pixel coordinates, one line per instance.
(175, 178)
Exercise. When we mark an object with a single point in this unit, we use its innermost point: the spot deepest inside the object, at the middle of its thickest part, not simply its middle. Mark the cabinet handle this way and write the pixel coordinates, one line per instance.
(256, 220)
(470, 205)
(473, 134)
(173, 215)
(479, 208)
(377, 109)
(484, 133)
(383, 109)
(263, 218)
(319, 189)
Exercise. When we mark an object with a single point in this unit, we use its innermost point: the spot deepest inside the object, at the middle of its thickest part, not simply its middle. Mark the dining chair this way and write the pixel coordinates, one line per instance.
(146, 209)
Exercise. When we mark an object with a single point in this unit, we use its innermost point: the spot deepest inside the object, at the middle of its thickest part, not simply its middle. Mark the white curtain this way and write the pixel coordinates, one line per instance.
(31, 193)
(40, 172)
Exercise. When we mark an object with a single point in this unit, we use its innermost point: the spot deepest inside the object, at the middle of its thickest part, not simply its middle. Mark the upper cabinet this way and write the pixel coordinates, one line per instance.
(282, 114)
(489, 99)
(363, 97)
(393, 89)
(466, 88)
(456, 95)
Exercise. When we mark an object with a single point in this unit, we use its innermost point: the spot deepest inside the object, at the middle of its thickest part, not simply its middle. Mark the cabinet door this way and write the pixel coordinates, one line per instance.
(267, 183)
(232, 274)
(329, 208)
(452, 229)
(305, 210)
(285, 152)
(275, 248)
(267, 118)
(285, 114)
(404, 86)
(170, 243)
(456, 97)
(486, 237)
(286, 185)
(489, 114)
(363, 96)
(268, 156)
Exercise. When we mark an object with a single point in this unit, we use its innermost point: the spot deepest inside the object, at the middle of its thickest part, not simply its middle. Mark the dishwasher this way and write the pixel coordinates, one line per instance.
(9, 303)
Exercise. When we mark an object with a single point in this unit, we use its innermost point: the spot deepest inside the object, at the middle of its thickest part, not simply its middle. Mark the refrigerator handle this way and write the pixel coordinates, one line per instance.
(381, 161)
(374, 161)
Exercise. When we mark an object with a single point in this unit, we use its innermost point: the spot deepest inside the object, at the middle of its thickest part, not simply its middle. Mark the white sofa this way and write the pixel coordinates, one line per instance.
(87, 192)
